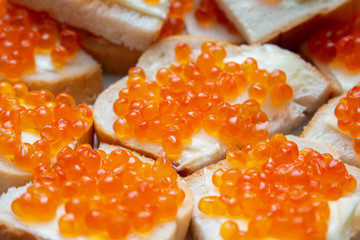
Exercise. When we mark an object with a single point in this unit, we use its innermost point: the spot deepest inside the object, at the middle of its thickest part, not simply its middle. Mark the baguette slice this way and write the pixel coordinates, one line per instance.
(12, 228)
(323, 128)
(213, 30)
(334, 70)
(12, 176)
(206, 227)
(79, 76)
(283, 22)
(310, 91)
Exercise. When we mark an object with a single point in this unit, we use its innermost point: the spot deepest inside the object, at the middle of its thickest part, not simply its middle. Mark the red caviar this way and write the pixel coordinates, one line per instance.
(112, 194)
(56, 122)
(24, 33)
(283, 193)
(340, 42)
(193, 95)
(208, 12)
(347, 113)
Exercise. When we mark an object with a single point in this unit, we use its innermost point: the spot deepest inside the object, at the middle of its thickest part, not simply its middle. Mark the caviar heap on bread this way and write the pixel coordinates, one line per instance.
(104, 195)
(189, 96)
(338, 42)
(276, 191)
(174, 24)
(25, 33)
(34, 125)
(347, 113)
(206, 12)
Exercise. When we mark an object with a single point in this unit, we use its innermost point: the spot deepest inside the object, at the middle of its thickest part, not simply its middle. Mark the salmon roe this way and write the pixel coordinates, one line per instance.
(103, 194)
(208, 12)
(55, 122)
(174, 24)
(24, 33)
(340, 42)
(194, 94)
(347, 113)
(283, 193)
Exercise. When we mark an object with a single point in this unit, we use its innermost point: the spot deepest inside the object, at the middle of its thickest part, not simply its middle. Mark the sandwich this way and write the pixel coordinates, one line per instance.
(283, 188)
(34, 126)
(335, 124)
(117, 194)
(177, 76)
(334, 50)
(128, 27)
(45, 55)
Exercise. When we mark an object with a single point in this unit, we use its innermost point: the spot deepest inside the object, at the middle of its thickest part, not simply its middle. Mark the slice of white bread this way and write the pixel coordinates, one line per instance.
(213, 30)
(323, 128)
(12, 228)
(334, 70)
(12, 176)
(200, 183)
(283, 22)
(310, 91)
(80, 76)
(109, 19)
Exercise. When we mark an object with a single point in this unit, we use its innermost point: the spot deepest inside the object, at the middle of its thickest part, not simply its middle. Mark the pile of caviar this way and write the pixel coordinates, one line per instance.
(284, 195)
(208, 12)
(340, 42)
(174, 24)
(105, 195)
(347, 113)
(192, 95)
(24, 33)
(57, 122)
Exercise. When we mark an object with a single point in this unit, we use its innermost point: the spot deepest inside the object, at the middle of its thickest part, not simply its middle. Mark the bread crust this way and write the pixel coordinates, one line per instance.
(114, 58)
(84, 85)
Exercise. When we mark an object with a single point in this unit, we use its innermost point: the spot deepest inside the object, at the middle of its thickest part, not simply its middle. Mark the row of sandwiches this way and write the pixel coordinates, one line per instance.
(55, 186)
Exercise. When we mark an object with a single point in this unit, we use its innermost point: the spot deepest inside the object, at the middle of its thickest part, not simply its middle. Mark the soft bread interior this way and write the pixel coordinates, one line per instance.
(308, 85)
(260, 21)
(124, 26)
(200, 183)
(10, 225)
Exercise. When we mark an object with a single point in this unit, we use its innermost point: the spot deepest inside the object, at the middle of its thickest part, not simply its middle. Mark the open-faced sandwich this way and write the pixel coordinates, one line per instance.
(34, 126)
(190, 103)
(43, 54)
